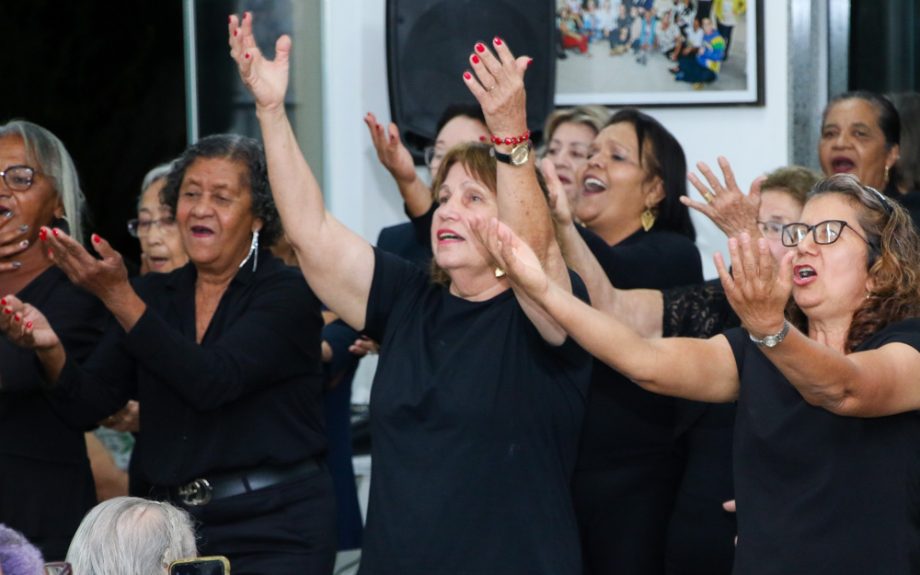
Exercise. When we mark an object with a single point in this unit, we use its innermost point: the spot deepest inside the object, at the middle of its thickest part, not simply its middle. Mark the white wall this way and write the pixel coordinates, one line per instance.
(361, 194)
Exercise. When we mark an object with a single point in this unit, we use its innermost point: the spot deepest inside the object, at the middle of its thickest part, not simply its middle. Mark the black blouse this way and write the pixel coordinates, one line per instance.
(819, 492)
(249, 394)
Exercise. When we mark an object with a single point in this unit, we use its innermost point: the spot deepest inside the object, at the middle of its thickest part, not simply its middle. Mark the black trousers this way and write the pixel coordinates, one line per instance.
(623, 514)
(287, 528)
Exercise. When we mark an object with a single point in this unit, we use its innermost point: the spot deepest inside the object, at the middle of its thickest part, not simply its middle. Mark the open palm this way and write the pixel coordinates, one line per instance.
(266, 80)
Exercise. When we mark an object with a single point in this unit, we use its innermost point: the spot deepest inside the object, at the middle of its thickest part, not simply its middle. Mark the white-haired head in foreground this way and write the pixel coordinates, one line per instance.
(131, 535)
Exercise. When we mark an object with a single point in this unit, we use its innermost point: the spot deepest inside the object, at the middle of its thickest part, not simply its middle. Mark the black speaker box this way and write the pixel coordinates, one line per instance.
(429, 43)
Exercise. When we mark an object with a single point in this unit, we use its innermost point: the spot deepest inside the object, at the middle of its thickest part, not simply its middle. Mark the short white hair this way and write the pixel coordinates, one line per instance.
(131, 535)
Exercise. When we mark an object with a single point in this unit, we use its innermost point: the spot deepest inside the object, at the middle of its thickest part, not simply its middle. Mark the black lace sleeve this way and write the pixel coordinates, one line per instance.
(697, 311)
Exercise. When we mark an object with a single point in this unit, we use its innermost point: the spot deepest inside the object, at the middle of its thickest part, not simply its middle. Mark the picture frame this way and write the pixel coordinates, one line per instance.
(599, 63)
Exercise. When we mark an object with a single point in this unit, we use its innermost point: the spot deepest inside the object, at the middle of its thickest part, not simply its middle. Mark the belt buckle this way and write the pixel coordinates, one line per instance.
(196, 492)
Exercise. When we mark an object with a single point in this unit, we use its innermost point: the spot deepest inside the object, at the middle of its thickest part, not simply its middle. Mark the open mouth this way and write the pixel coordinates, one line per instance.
(842, 165)
(449, 236)
(201, 231)
(5, 212)
(593, 185)
(803, 274)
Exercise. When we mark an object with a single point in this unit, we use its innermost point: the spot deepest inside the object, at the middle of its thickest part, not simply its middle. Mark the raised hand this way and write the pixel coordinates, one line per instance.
(12, 241)
(266, 80)
(726, 205)
(391, 152)
(25, 326)
(103, 278)
(557, 199)
(512, 255)
(756, 288)
(497, 82)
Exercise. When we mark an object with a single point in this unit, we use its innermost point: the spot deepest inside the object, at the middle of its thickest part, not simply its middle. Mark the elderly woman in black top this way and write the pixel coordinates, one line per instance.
(45, 484)
(826, 436)
(224, 356)
(478, 398)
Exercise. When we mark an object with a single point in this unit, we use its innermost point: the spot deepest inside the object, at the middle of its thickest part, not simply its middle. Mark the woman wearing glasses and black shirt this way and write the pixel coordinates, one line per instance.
(827, 434)
(45, 485)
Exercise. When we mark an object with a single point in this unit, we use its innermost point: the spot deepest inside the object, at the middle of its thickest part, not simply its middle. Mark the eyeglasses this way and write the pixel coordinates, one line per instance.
(18, 178)
(824, 233)
(433, 155)
(770, 229)
(140, 228)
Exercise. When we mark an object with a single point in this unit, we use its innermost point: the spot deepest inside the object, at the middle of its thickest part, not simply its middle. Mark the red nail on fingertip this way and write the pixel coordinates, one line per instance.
(467, 76)
(28, 325)
(529, 62)
(247, 55)
(55, 232)
(16, 318)
(475, 59)
(497, 41)
(96, 239)
(235, 32)
(480, 47)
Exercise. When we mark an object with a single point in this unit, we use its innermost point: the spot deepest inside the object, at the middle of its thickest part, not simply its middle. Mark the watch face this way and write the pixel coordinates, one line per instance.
(520, 154)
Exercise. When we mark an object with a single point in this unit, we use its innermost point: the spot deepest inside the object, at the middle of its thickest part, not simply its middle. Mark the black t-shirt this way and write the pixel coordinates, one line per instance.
(249, 394)
(819, 492)
(475, 420)
(623, 420)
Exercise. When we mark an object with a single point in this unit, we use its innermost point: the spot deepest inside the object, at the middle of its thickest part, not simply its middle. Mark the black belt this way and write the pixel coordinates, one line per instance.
(202, 491)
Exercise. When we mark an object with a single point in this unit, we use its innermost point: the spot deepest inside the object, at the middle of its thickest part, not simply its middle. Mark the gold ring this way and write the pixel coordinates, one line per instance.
(708, 196)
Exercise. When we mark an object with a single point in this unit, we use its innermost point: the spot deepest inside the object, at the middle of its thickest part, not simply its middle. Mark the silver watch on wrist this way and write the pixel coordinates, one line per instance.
(774, 340)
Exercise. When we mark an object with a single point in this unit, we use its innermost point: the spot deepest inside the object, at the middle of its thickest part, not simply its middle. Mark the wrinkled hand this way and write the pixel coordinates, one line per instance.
(364, 346)
(103, 278)
(25, 326)
(756, 289)
(391, 152)
(497, 82)
(513, 255)
(266, 80)
(128, 418)
(726, 205)
(557, 199)
(13, 240)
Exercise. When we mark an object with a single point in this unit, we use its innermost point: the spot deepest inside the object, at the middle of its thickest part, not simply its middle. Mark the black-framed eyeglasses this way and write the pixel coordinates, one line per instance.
(770, 229)
(824, 233)
(433, 155)
(140, 228)
(18, 178)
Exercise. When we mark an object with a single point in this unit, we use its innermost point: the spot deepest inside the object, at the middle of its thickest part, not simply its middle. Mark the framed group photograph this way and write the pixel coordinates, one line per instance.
(659, 52)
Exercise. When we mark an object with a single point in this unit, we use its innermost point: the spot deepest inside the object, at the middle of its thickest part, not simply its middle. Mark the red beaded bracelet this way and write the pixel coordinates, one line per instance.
(511, 140)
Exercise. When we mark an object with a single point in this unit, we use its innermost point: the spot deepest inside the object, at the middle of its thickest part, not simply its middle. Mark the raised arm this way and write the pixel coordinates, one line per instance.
(863, 384)
(724, 203)
(497, 82)
(640, 309)
(395, 157)
(337, 263)
(702, 370)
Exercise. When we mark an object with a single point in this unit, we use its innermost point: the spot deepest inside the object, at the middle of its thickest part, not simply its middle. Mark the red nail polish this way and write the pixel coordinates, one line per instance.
(529, 62)
(467, 76)
(235, 32)
(43, 234)
(497, 41)
(3, 301)
(482, 139)
(475, 59)
(28, 325)
(480, 47)
(7, 311)
(55, 232)
(96, 239)
(16, 318)
(246, 55)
